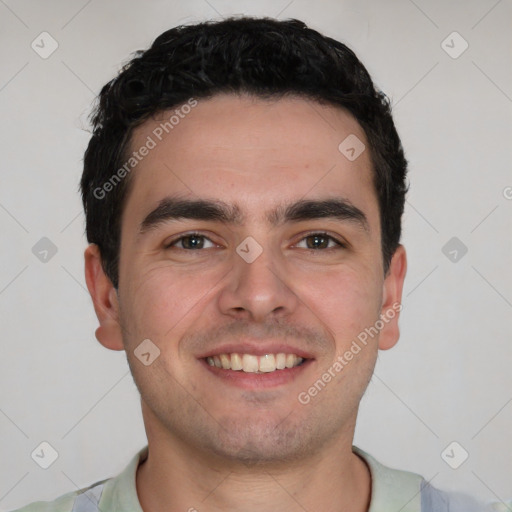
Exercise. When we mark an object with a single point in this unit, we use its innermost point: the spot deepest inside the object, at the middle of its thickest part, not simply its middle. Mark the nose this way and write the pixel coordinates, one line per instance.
(257, 290)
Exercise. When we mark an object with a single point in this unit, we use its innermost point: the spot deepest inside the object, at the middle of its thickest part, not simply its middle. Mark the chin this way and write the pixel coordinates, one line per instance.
(260, 442)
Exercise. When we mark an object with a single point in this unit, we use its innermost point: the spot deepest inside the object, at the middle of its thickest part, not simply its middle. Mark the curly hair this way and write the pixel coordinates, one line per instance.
(264, 57)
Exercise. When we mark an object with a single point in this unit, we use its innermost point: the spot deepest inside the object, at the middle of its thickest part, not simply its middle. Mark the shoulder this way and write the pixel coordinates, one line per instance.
(115, 493)
(69, 502)
(433, 499)
(394, 489)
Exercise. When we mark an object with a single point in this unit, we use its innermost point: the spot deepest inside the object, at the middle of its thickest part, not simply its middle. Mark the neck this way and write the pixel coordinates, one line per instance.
(179, 477)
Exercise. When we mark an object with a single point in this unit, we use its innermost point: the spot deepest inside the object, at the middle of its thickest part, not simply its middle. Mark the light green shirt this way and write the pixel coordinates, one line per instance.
(392, 491)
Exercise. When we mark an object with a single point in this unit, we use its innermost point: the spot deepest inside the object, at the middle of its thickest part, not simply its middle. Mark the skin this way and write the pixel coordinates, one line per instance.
(213, 445)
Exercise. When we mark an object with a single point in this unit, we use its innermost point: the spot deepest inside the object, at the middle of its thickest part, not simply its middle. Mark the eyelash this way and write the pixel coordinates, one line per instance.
(339, 244)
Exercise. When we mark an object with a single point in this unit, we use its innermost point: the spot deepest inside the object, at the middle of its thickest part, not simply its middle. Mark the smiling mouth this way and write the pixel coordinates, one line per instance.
(250, 363)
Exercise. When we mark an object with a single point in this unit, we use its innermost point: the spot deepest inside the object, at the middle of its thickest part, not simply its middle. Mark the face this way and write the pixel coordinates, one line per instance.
(273, 274)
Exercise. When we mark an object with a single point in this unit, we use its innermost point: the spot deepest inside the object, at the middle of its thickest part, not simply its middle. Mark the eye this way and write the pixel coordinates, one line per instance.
(196, 241)
(321, 241)
(191, 241)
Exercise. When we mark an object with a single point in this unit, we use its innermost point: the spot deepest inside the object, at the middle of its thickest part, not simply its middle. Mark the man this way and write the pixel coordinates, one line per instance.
(243, 191)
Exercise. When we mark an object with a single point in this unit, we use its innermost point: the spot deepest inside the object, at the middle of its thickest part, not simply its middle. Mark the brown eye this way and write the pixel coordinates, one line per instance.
(316, 241)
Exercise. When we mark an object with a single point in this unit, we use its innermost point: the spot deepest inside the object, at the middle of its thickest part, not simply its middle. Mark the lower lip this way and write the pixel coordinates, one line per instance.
(264, 380)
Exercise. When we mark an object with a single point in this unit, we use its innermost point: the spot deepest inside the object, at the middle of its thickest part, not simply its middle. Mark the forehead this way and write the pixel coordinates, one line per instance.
(244, 148)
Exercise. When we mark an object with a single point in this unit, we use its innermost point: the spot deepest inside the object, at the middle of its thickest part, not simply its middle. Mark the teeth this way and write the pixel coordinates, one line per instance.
(225, 361)
(236, 362)
(250, 363)
(254, 364)
(267, 363)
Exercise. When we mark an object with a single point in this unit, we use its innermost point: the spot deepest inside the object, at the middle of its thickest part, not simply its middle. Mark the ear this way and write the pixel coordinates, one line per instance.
(392, 299)
(104, 297)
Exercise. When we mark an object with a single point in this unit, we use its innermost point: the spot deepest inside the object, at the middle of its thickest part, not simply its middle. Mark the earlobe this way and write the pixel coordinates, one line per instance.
(104, 297)
(392, 299)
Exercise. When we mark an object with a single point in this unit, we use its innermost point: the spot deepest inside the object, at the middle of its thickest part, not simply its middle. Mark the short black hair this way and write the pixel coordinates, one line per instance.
(264, 57)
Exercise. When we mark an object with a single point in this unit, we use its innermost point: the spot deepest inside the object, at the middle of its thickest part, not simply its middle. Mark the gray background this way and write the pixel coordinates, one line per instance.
(449, 377)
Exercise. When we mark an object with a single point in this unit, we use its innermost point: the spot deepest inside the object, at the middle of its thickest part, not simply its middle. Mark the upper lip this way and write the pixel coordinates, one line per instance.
(256, 348)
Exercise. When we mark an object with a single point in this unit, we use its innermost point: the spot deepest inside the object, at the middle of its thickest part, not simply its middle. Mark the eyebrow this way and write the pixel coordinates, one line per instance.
(171, 208)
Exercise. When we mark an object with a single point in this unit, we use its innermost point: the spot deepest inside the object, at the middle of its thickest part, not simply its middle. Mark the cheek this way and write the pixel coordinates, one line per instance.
(158, 308)
(156, 303)
(346, 301)
(163, 302)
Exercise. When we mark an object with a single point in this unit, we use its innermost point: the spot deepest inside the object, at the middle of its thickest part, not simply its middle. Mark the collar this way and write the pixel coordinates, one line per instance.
(392, 489)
